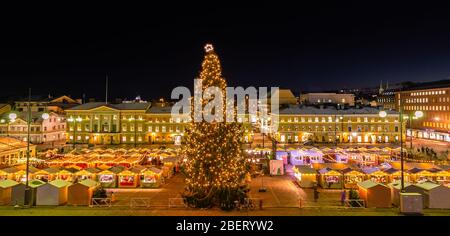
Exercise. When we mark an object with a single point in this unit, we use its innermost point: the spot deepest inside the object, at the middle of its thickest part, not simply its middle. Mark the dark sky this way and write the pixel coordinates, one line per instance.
(151, 49)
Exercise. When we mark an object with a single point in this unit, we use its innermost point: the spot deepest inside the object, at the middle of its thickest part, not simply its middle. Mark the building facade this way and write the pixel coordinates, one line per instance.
(130, 123)
(298, 124)
(386, 100)
(42, 130)
(323, 98)
(57, 105)
(435, 105)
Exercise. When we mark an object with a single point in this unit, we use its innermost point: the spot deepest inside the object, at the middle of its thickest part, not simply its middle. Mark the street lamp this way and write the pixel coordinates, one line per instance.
(417, 115)
(383, 114)
(45, 116)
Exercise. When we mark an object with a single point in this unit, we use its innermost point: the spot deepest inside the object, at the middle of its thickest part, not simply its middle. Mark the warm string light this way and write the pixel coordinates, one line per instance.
(214, 155)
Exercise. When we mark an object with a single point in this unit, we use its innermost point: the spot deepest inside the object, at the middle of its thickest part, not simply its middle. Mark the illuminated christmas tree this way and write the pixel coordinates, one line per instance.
(215, 165)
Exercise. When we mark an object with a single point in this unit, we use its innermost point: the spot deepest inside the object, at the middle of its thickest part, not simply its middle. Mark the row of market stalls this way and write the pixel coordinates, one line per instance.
(108, 177)
(380, 195)
(53, 193)
(345, 175)
(361, 156)
(86, 158)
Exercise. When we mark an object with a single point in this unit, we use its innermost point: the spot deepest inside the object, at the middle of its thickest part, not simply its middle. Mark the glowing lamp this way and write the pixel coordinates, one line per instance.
(45, 116)
(418, 114)
(382, 114)
(12, 116)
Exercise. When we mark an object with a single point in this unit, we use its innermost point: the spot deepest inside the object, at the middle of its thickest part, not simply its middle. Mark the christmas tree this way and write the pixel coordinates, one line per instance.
(215, 166)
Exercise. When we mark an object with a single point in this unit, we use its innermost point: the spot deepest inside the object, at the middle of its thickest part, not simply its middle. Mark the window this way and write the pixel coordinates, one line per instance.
(124, 138)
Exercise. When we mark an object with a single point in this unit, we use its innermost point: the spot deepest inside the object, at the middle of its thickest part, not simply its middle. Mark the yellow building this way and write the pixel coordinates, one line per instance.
(101, 123)
(161, 127)
(130, 123)
(328, 125)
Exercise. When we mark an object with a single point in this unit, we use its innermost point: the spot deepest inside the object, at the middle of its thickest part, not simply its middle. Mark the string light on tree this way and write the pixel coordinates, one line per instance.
(214, 160)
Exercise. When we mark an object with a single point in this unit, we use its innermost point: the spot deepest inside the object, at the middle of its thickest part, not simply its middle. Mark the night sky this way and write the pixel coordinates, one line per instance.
(149, 50)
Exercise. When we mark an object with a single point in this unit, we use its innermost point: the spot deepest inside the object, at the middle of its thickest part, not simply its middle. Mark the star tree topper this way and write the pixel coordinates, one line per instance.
(209, 47)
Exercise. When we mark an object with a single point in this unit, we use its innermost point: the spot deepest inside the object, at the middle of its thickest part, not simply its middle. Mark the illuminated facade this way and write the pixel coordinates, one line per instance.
(42, 130)
(13, 150)
(101, 123)
(129, 123)
(298, 124)
(435, 105)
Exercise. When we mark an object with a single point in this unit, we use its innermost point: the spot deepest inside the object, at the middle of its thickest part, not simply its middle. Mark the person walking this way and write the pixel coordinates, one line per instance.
(343, 196)
(316, 193)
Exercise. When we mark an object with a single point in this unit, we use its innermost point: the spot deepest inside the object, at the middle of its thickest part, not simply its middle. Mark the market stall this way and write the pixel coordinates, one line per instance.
(42, 175)
(329, 178)
(128, 179)
(18, 194)
(305, 157)
(88, 173)
(150, 178)
(441, 177)
(434, 195)
(396, 175)
(81, 193)
(396, 187)
(376, 175)
(65, 174)
(352, 177)
(10, 172)
(305, 175)
(3, 175)
(420, 175)
(167, 170)
(5, 191)
(107, 179)
(21, 174)
(282, 155)
(374, 194)
(53, 193)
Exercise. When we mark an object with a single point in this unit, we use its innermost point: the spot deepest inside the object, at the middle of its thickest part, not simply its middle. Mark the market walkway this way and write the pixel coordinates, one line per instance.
(156, 197)
(282, 192)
